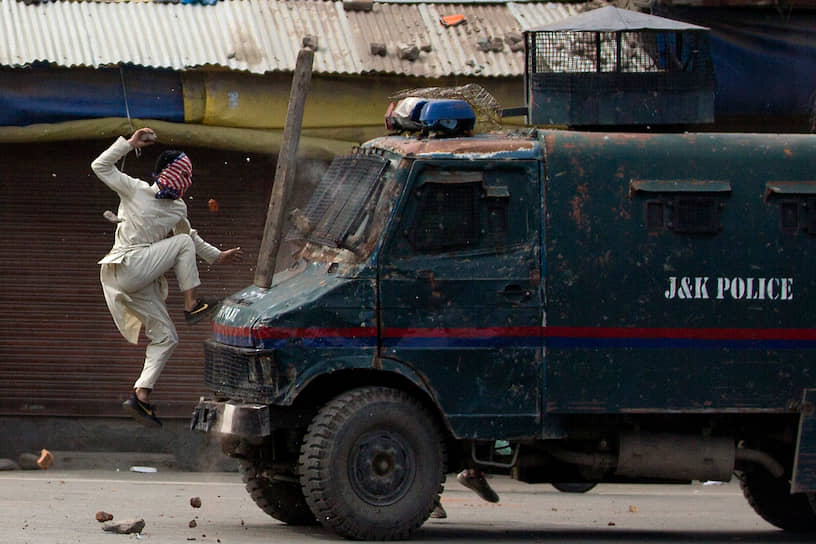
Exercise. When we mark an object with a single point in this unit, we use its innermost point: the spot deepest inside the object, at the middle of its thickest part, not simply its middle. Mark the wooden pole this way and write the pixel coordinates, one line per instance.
(284, 171)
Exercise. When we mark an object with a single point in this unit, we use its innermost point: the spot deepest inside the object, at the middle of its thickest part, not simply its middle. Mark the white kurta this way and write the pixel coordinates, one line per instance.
(132, 273)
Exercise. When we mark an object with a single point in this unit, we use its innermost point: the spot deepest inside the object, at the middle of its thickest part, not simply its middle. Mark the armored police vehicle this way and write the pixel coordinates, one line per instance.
(617, 307)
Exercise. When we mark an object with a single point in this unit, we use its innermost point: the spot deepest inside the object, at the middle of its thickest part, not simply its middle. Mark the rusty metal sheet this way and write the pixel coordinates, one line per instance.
(479, 146)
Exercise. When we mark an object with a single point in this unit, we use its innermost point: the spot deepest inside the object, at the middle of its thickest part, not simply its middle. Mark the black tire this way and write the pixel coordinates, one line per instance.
(283, 500)
(371, 464)
(574, 487)
(771, 498)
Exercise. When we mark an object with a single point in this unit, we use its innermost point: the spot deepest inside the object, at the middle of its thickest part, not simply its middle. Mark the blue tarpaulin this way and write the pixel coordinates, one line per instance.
(764, 59)
(46, 95)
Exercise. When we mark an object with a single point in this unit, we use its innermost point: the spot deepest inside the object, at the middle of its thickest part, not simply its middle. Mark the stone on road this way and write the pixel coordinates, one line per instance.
(58, 506)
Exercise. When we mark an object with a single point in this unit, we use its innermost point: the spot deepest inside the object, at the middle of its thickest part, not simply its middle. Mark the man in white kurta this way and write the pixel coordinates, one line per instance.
(132, 273)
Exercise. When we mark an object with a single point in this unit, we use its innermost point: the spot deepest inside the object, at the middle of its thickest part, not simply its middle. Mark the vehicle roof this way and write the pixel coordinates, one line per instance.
(505, 145)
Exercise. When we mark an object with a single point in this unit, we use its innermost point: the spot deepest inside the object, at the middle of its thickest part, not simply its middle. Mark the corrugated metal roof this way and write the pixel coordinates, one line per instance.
(261, 36)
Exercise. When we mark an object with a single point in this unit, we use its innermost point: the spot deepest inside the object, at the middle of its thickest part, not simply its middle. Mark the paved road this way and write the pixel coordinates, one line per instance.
(58, 507)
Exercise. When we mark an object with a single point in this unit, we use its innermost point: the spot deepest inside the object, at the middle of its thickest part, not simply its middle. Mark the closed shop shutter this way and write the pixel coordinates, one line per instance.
(60, 353)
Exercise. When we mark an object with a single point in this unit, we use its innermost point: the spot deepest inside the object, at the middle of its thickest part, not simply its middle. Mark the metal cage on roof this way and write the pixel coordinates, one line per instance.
(616, 67)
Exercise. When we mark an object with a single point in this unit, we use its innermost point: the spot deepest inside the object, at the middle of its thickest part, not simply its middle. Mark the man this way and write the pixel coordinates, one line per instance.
(132, 273)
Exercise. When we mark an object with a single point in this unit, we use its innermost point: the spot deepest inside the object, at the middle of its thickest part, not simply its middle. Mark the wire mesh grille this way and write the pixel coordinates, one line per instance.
(341, 197)
(229, 371)
(449, 217)
(637, 52)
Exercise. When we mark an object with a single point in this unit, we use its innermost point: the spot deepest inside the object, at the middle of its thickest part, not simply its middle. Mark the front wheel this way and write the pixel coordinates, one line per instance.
(372, 464)
(280, 498)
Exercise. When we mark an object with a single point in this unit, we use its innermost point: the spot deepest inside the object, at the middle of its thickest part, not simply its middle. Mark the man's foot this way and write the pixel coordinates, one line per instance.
(203, 309)
(438, 512)
(142, 412)
(476, 481)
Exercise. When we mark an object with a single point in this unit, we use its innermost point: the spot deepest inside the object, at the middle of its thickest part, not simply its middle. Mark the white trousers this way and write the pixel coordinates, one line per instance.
(139, 276)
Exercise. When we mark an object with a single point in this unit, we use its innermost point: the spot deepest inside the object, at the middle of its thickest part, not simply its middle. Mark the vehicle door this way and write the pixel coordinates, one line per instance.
(460, 291)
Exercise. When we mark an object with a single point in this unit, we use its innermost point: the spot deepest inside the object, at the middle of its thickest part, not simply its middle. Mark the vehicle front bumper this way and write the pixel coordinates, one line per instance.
(242, 419)
(246, 420)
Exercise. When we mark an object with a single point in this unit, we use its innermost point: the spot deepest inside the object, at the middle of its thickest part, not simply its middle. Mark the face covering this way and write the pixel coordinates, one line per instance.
(176, 178)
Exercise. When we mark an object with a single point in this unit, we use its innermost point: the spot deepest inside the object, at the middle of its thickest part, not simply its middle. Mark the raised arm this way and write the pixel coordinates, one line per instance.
(104, 166)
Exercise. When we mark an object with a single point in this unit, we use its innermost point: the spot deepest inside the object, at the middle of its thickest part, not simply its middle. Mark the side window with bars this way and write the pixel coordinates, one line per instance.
(459, 210)
(796, 201)
(682, 206)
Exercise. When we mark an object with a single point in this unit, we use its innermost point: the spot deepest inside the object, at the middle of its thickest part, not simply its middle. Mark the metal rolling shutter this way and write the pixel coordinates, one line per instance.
(60, 353)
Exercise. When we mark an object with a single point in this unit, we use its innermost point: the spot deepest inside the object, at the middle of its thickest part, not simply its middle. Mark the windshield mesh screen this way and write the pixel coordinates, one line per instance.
(340, 198)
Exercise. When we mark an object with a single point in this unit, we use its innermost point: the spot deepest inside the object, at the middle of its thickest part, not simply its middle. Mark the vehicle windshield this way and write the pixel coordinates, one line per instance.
(348, 209)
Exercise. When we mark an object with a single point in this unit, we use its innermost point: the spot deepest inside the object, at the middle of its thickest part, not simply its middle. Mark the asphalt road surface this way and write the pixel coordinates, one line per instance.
(59, 507)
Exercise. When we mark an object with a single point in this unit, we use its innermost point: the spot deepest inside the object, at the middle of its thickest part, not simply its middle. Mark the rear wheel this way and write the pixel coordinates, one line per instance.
(771, 498)
(371, 464)
(280, 496)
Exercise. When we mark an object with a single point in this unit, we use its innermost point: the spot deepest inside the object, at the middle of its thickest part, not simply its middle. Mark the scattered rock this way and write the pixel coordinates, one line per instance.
(195, 502)
(310, 42)
(378, 49)
(192, 524)
(8, 464)
(611, 524)
(28, 461)
(633, 508)
(103, 516)
(125, 527)
(46, 459)
(513, 37)
(358, 5)
(408, 52)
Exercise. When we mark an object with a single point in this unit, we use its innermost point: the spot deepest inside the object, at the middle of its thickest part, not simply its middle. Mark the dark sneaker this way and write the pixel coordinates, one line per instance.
(477, 482)
(204, 308)
(438, 512)
(142, 412)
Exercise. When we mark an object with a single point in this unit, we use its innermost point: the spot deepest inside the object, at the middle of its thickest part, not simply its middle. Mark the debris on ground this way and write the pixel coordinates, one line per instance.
(125, 527)
(195, 502)
(633, 508)
(611, 524)
(45, 460)
(143, 469)
(192, 524)
(103, 516)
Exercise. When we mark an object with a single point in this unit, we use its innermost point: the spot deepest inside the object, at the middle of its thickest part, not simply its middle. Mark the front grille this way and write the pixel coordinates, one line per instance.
(248, 374)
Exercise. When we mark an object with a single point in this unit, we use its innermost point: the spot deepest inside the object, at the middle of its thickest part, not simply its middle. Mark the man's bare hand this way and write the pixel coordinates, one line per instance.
(234, 255)
(143, 138)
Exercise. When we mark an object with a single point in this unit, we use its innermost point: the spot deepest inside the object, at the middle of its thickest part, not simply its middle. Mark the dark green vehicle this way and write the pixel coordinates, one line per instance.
(617, 307)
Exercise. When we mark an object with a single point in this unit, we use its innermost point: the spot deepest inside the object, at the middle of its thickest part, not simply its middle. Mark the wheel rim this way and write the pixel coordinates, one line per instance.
(382, 467)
